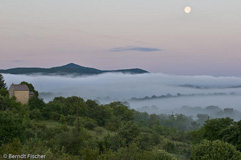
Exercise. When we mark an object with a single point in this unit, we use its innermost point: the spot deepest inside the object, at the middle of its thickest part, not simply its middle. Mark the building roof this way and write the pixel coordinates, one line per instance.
(20, 87)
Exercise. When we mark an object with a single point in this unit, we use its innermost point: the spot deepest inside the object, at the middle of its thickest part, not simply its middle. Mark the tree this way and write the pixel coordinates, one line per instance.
(129, 132)
(122, 111)
(31, 88)
(212, 128)
(3, 86)
(72, 143)
(36, 103)
(216, 150)
(3, 104)
(11, 127)
(14, 147)
(2, 82)
(3, 91)
(132, 152)
(232, 134)
(202, 118)
(144, 141)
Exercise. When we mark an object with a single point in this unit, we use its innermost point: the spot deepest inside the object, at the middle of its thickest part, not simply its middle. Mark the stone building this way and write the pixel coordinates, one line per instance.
(21, 92)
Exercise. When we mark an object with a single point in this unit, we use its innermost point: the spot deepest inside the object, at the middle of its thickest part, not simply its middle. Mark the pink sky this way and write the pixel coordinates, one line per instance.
(153, 35)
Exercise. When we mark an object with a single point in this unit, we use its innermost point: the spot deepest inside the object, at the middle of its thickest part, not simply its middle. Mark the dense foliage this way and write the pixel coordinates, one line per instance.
(224, 129)
(31, 88)
(216, 150)
(2, 83)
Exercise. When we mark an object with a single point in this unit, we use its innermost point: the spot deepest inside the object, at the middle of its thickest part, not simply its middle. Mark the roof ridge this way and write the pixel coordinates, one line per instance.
(20, 87)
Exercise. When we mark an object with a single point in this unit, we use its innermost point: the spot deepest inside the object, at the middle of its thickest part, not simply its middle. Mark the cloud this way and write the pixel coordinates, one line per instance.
(140, 49)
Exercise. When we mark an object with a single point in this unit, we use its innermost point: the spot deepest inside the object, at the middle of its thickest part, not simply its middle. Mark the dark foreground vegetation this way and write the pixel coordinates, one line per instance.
(74, 129)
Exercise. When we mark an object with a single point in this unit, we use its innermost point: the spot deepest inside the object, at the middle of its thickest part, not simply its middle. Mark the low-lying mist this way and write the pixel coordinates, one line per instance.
(147, 92)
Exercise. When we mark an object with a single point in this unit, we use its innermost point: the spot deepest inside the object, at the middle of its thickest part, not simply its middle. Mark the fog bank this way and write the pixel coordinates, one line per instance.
(195, 91)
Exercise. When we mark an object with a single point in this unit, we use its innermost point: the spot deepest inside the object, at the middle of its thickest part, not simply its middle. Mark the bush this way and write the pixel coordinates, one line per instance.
(170, 147)
(35, 114)
(216, 150)
(70, 119)
(90, 125)
(133, 153)
(11, 127)
(54, 116)
(14, 147)
(62, 119)
(129, 131)
(3, 91)
(35, 102)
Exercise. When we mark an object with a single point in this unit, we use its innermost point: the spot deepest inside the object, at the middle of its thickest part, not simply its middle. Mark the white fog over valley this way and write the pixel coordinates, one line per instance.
(151, 92)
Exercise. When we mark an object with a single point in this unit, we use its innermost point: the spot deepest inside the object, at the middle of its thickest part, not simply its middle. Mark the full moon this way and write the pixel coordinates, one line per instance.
(187, 9)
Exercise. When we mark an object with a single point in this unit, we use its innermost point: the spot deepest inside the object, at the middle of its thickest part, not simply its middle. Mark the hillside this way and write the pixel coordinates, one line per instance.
(78, 129)
(70, 68)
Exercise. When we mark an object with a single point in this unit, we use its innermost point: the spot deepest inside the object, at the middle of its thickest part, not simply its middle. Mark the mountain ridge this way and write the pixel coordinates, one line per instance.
(68, 69)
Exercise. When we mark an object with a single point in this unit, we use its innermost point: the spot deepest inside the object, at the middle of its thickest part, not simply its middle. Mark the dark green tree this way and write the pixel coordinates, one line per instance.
(3, 86)
(73, 143)
(11, 127)
(144, 141)
(213, 127)
(211, 130)
(232, 134)
(3, 103)
(36, 103)
(122, 111)
(2, 82)
(31, 88)
(216, 150)
(129, 132)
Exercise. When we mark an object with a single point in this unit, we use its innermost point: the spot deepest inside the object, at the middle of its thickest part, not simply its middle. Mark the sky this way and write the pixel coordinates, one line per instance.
(155, 35)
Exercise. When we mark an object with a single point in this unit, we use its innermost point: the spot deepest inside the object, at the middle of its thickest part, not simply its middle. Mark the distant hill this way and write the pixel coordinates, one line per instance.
(70, 68)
